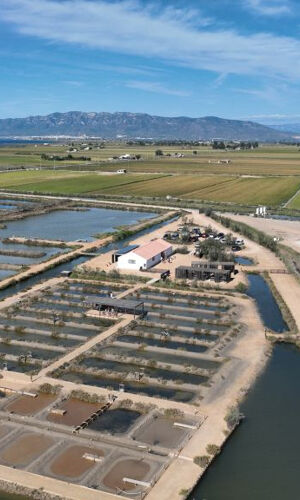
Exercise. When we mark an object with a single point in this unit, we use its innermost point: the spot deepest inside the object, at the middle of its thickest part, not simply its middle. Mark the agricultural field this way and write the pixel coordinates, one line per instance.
(267, 175)
(266, 160)
(295, 202)
(244, 190)
(65, 182)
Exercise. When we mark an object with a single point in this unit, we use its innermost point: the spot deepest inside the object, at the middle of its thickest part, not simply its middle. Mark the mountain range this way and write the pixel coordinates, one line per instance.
(133, 125)
(291, 128)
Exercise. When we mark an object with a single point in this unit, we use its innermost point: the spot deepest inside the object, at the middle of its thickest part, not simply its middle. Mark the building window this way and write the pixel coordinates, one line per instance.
(153, 258)
(131, 261)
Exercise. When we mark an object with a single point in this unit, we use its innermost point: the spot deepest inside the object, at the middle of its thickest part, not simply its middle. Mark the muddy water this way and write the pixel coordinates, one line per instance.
(261, 461)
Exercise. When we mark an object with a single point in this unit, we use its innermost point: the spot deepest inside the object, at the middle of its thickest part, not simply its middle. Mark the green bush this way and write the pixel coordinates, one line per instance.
(202, 461)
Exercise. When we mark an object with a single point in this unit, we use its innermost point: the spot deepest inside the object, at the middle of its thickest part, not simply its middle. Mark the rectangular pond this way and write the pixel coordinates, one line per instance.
(134, 387)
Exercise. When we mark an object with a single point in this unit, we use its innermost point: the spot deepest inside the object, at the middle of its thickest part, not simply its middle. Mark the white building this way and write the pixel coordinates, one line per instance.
(261, 211)
(145, 256)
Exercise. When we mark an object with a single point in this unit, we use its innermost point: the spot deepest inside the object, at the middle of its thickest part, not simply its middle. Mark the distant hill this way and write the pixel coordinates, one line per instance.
(291, 128)
(132, 125)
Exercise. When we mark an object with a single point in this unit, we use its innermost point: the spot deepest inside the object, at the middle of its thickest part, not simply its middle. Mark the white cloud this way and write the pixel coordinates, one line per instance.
(268, 93)
(179, 37)
(270, 7)
(156, 87)
(73, 83)
(276, 117)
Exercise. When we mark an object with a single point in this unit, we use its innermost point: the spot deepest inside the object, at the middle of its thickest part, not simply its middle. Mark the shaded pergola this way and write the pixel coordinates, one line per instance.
(125, 306)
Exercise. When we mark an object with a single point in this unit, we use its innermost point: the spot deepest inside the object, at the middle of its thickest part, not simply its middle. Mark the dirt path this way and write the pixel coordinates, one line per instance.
(87, 345)
(288, 231)
(289, 288)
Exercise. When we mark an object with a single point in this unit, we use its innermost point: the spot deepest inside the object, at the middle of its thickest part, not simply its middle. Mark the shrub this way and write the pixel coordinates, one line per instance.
(202, 461)
(173, 413)
(213, 449)
(233, 417)
(49, 389)
(241, 287)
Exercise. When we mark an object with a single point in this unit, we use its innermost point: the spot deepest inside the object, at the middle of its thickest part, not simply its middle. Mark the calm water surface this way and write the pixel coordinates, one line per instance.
(266, 303)
(70, 225)
(261, 461)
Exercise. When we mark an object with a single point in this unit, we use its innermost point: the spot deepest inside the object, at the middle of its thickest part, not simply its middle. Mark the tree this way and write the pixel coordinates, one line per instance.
(159, 152)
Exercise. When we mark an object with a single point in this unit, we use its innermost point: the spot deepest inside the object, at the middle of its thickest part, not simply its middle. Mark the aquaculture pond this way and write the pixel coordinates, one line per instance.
(3, 206)
(134, 387)
(69, 266)
(261, 460)
(186, 334)
(116, 421)
(162, 357)
(181, 303)
(34, 280)
(5, 273)
(164, 342)
(70, 225)
(181, 322)
(125, 368)
(266, 303)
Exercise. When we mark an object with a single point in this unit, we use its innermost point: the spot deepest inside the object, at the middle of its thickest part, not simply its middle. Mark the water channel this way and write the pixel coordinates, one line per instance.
(261, 459)
(268, 308)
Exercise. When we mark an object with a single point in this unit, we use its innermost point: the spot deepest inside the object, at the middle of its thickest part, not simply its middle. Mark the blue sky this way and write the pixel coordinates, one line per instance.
(228, 58)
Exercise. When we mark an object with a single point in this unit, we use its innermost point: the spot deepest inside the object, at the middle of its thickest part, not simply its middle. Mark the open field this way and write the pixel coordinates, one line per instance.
(287, 230)
(266, 160)
(65, 182)
(295, 202)
(269, 190)
(244, 190)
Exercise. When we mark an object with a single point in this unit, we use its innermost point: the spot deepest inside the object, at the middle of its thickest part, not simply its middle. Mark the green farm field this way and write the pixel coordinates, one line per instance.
(272, 191)
(66, 182)
(267, 190)
(295, 203)
(265, 160)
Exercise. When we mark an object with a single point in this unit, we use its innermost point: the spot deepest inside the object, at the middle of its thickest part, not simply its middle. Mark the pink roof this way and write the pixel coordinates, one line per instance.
(152, 248)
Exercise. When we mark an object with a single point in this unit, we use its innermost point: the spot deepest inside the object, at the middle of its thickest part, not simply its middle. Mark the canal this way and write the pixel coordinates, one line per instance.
(261, 460)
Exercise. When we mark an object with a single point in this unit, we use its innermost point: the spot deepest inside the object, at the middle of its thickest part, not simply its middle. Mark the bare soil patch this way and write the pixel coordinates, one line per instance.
(70, 463)
(26, 448)
(76, 412)
(161, 432)
(27, 405)
(131, 468)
